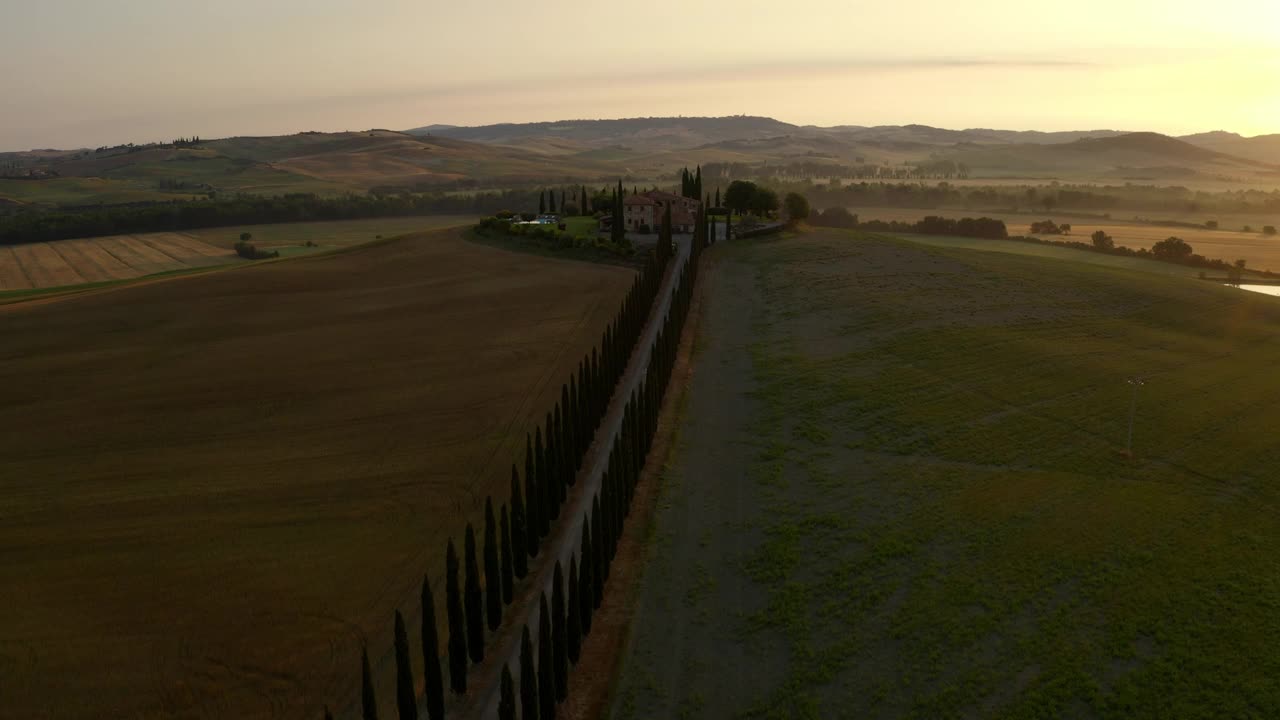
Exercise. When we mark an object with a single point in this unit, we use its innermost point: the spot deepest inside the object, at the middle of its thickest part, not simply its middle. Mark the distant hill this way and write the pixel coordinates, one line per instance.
(647, 134)
(1265, 148)
(595, 150)
(1141, 155)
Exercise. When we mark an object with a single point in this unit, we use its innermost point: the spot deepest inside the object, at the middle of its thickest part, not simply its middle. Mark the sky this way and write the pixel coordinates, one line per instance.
(83, 73)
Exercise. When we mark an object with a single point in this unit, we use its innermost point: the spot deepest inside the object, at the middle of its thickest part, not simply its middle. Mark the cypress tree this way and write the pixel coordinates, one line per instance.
(528, 679)
(551, 205)
(327, 715)
(542, 202)
(551, 476)
(544, 482)
(431, 672)
(471, 597)
(586, 207)
(406, 698)
(717, 197)
(368, 700)
(519, 533)
(508, 569)
(562, 457)
(597, 546)
(559, 635)
(572, 418)
(586, 587)
(697, 184)
(506, 697)
(532, 501)
(573, 613)
(546, 677)
(492, 573)
(598, 390)
(457, 624)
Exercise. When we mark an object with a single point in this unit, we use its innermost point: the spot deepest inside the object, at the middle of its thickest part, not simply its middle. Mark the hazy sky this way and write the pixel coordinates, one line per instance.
(88, 72)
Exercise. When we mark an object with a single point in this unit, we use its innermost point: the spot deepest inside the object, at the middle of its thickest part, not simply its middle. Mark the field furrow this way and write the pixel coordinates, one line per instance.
(159, 252)
(45, 266)
(12, 274)
(94, 252)
(88, 267)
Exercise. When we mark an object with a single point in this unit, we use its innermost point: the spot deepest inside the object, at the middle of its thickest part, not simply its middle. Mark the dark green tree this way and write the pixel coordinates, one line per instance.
(717, 197)
(506, 697)
(492, 571)
(573, 614)
(597, 546)
(546, 677)
(457, 624)
(797, 207)
(532, 503)
(528, 679)
(551, 205)
(368, 700)
(740, 196)
(508, 568)
(327, 715)
(543, 482)
(519, 533)
(406, 698)
(433, 677)
(586, 587)
(697, 184)
(472, 597)
(559, 635)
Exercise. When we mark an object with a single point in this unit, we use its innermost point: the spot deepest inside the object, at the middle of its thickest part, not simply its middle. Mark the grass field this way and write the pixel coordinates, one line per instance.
(1261, 251)
(899, 491)
(63, 263)
(216, 487)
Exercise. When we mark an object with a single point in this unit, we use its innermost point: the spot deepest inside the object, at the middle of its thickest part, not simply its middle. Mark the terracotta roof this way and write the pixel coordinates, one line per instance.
(638, 200)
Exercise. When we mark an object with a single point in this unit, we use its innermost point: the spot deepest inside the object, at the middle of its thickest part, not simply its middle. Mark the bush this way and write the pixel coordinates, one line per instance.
(797, 207)
(836, 217)
(504, 214)
(1269, 230)
(1046, 227)
(251, 252)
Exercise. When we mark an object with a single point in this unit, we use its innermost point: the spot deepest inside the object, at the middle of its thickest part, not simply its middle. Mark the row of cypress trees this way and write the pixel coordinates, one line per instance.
(547, 201)
(564, 625)
(513, 537)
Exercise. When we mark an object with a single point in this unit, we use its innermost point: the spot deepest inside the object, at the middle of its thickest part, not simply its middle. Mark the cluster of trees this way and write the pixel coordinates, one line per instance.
(247, 250)
(1049, 227)
(574, 202)
(743, 196)
(1172, 249)
(480, 584)
(691, 183)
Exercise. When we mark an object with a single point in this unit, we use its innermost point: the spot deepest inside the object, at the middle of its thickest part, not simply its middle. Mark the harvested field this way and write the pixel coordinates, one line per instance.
(64, 263)
(1261, 251)
(900, 491)
(217, 487)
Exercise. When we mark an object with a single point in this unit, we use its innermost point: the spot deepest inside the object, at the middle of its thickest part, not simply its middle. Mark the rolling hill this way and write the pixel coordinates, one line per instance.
(505, 155)
(1265, 148)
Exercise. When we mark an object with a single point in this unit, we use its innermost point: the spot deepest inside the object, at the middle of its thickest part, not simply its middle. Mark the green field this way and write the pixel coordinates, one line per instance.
(900, 491)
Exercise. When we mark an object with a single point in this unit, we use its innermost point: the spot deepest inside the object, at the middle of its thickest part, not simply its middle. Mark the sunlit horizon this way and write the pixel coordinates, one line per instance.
(81, 75)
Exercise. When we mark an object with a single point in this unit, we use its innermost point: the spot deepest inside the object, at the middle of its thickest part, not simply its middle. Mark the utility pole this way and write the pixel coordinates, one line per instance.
(1133, 408)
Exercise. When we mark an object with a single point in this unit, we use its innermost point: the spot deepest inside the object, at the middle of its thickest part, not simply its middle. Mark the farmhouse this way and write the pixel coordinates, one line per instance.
(646, 210)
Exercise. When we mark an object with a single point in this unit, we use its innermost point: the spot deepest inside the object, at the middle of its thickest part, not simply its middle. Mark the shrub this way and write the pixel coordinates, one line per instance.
(250, 252)
(1269, 230)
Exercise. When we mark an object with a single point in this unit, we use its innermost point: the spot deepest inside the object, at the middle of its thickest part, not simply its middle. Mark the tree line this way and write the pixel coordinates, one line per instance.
(983, 227)
(26, 225)
(480, 584)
